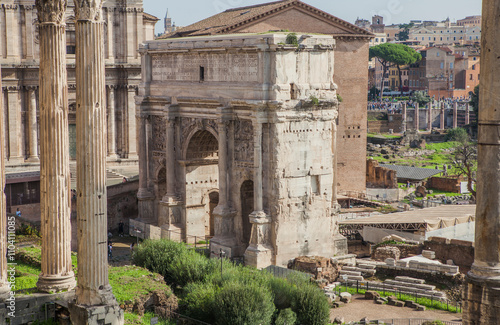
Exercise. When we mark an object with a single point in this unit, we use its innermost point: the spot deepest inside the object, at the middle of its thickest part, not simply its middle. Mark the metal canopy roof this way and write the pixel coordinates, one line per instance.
(413, 173)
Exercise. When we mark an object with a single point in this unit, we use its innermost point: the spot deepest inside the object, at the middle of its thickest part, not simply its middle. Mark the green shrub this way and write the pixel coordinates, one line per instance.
(189, 267)
(292, 39)
(436, 322)
(283, 291)
(243, 304)
(286, 317)
(157, 255)
(457, 134)
(311, 306)
(198, 301)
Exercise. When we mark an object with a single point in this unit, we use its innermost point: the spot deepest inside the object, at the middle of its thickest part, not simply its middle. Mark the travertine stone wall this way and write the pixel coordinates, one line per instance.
(272, 109)
(57, 273)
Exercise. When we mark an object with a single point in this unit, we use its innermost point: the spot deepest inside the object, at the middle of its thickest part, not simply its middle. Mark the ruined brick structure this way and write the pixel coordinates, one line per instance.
(380, 177)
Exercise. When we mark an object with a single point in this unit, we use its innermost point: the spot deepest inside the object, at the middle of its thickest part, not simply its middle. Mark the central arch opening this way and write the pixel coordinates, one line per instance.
(202, 174)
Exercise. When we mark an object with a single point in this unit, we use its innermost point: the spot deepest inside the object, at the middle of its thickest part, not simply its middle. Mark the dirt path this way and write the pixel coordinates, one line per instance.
(360, 308)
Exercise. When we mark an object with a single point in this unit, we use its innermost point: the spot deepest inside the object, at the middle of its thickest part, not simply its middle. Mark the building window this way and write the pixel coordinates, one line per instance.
(471, 78)
(202, 73)
(442, 65)
(451, 65)
(437, 54)
(474, 67)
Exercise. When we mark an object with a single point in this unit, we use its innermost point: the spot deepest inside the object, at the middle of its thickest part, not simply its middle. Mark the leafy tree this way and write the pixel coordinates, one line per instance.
(393, 55)
(464, 158)
(421, 98)
(404, 31)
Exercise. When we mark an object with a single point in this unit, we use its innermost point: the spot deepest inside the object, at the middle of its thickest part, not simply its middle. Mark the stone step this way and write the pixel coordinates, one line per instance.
(350, 268)
(367, 266)
(410, 285)
(342, 272)
(421, 293)
(409, 280)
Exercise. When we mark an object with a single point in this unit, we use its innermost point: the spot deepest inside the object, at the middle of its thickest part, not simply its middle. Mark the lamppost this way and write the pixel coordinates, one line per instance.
(221, 254)
(137, 232)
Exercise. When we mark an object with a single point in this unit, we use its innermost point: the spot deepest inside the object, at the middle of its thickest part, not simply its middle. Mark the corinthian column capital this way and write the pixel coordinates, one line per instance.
(51, 11)
(88, 10)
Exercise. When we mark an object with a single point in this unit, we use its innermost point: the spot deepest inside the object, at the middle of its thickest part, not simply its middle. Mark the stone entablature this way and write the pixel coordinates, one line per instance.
(236, 141)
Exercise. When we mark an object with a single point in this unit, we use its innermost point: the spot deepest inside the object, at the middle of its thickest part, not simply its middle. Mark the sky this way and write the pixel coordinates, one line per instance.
(186, 12)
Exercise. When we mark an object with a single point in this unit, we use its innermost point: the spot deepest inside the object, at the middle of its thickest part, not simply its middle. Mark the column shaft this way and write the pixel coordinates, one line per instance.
(455, 115)
(429, 116)
(111, 123)
(4, 286)
(132, 131)
(170, 158)
(257, 172)
(93, 283)
(467, 114)
(14, 123)
(55, 201)
(404, 117)
(334, 169)
(32, 126)
(416, 117)
(143, 159)
(223, 195)
(441, 121)
(482, 289)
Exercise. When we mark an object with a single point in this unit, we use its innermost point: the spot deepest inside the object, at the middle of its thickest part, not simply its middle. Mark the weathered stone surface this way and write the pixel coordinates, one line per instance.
(383, 253)
(345, 297)
(320, 267)
(57, 273)
(338, 320)
(234, 132)
(371, 295)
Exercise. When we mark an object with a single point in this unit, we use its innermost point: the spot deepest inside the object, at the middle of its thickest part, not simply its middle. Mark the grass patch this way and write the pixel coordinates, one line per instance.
(130, 282)
(428, 303)
(134, 319)
(383, 135)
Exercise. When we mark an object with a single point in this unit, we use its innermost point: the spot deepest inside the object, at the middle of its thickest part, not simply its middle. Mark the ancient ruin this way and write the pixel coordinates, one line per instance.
(94, 298)
(57, 273)
(237, 141)
(482, 294)
(351, 59)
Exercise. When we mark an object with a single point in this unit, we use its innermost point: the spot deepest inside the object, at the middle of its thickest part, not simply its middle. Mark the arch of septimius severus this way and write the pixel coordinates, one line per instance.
(95, 302)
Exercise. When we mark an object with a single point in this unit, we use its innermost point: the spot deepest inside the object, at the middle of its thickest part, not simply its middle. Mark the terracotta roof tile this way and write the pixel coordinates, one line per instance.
(225, 21)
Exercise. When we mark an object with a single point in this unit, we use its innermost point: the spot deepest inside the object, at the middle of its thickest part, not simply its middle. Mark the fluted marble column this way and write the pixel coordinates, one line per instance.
(111, 123)
(258, 253)
(4, 286)
(93, 284)
(57, 273)
(32, 126)
(482, 289)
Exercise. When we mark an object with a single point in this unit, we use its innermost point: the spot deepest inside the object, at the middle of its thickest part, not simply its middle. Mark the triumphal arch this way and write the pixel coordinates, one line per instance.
(237, 142)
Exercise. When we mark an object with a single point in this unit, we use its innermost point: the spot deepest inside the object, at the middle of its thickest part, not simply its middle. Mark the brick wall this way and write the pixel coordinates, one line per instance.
(461, 252)
(448, 184)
